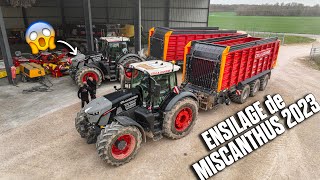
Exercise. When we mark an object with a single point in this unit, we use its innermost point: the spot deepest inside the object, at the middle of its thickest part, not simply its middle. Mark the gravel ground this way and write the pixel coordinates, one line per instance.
(49, 146)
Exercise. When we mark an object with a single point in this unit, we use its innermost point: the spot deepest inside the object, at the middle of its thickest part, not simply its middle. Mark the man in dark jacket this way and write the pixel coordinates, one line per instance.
(92, 83)
(83, 94)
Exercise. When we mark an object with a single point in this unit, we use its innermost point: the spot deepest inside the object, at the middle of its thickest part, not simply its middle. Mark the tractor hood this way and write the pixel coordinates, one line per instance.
(95, 109)
(121, 96)
(100, 109)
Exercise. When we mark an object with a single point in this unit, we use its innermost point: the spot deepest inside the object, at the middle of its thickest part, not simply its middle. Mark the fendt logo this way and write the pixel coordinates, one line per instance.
(263, 53)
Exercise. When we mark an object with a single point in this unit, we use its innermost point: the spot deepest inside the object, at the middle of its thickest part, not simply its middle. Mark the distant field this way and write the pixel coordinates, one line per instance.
(300, 25)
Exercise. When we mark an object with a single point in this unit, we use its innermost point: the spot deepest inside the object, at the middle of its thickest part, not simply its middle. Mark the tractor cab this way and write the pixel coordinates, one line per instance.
(154, 79)
(114, 47)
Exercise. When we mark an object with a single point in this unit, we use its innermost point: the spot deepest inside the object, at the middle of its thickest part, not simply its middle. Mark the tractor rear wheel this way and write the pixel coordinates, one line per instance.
(85, 72)
(242, 97)
(178, 122)
(264, 82)
(125, 63)
(254, 87)
(118, 144)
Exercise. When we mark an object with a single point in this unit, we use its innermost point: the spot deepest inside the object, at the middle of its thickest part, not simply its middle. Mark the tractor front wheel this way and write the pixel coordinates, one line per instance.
(178, 122)
(85, 72)
(118, 144)
(80, 123)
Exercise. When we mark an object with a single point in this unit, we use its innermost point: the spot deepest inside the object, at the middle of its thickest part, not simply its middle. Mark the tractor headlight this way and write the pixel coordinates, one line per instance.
(97, 113)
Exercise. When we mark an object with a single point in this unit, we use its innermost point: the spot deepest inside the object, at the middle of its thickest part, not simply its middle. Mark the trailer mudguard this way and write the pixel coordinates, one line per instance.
(178, 97)
(130, 55)
(126, 121)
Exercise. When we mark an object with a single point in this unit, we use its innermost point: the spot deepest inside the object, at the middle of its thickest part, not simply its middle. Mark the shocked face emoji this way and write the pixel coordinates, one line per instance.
(40, 36)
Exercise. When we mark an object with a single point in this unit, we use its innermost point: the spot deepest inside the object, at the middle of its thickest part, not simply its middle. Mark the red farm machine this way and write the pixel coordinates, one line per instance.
(215, 71)
(168, 44)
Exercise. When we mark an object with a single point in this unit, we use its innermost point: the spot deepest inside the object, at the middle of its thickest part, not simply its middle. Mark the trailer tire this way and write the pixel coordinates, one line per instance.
(254, 87)
(85, 72)
(179, 121)
(109, 151)
(264, 82)
(242, 98)
(125, 63)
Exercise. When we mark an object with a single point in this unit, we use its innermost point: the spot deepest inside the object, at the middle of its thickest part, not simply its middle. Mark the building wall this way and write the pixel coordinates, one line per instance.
(173, 13)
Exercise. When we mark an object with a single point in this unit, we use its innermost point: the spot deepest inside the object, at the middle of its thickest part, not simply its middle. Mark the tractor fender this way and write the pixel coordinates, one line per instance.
(93, 65)
(178, 97)
(130, 55)
(127, 121)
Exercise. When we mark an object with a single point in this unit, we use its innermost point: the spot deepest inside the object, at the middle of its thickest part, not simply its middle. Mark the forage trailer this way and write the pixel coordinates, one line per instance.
(217, 70)
(168, 43)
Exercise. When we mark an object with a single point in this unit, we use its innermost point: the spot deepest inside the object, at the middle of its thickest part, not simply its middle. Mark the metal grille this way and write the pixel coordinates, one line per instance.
(203, 73)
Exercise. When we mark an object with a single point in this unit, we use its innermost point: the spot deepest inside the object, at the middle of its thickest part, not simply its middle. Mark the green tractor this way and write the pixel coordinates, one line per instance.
(151, 105)
(104, 65)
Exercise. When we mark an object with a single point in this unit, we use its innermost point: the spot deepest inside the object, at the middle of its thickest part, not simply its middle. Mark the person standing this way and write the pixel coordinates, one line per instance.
(92, 83)
(83, 94)
(14, 75)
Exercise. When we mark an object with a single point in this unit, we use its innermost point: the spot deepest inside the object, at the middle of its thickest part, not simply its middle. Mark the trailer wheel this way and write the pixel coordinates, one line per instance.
(254, 87)
(85, 72)
(179, 121)
(264, 82)
(125, 63)
(242, 98)
(118, 144)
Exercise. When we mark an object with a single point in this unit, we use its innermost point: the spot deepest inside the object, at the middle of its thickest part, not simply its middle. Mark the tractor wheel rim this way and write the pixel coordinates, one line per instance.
(265, 83)
(128, 73)
(245, 94)
(183, 119)
(123, 146)
(90, 74)
(256, 88)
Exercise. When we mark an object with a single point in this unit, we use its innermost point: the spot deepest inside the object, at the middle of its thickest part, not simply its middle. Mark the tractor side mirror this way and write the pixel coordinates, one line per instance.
(157, 90)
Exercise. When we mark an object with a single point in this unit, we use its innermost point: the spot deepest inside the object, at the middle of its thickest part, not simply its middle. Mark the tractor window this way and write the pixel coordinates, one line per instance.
(114, 45)
(123, 45)
(138, 78)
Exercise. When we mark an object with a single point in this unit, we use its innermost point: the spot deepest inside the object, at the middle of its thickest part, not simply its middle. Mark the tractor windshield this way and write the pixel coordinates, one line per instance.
(138, 78)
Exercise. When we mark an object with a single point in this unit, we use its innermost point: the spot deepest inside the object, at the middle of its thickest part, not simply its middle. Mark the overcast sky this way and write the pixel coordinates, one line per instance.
(306, 2)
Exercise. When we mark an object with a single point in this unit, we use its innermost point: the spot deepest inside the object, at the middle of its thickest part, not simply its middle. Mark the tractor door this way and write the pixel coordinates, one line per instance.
(166, 82)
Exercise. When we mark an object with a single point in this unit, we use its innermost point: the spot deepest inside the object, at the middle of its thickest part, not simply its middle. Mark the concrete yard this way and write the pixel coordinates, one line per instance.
(39, 141)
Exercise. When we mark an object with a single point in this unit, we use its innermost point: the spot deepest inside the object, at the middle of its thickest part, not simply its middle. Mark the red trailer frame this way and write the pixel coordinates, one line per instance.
(168, 43)
(241, 57)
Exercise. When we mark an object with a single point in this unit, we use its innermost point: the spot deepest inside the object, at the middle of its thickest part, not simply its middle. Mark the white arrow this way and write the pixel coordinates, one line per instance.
(74, 50)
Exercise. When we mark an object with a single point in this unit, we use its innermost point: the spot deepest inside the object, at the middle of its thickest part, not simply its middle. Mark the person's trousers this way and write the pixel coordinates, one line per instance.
(84, 102)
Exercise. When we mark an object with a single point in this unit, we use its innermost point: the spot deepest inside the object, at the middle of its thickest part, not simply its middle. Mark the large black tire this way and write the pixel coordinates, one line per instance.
(179, 121)
(242, 98)
(264, 82)
(81, 120)
(86, 71)
(116, 136)
(254, 87)
(126, 62)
